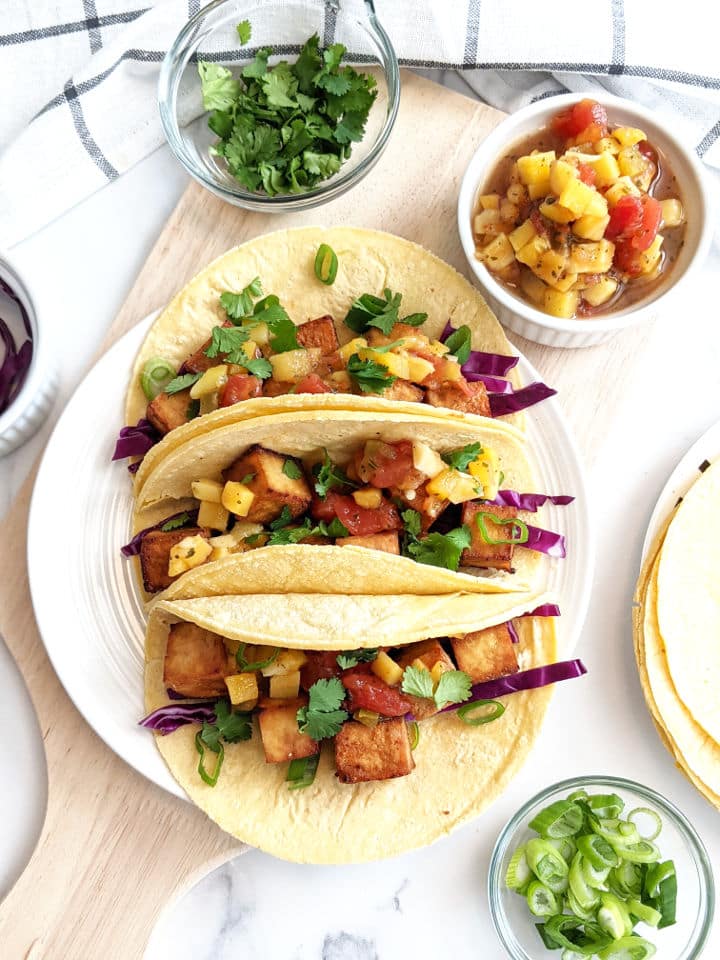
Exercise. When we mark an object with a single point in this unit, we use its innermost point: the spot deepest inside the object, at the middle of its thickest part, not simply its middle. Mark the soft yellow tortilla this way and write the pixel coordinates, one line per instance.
(301, 434)
(459, 771)
(369, 261)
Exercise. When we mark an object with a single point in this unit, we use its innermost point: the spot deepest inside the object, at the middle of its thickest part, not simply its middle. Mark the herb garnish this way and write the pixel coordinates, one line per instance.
(351, 658)
(463, 456)
(370, 376)
(230, 727)
(327, 476)
(383, 313)
(176, 522)
(459, 343)
(453, 686)
(291, 470)
(441, 549)
(182, 382)
(323, 717)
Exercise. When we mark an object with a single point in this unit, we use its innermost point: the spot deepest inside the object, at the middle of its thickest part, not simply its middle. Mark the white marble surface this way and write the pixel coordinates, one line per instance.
(434, 902)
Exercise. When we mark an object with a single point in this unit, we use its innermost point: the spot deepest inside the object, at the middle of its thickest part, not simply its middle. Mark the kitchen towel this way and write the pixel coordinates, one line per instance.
(79, 77)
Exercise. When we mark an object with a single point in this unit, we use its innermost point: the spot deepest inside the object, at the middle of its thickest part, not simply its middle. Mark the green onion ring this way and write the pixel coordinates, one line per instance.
(156, 375)
(465, 712)
(523, 533)
(326, 264)
(647, 812)
(301, 773)
(243, 664)
(210, 778)
(414, 734)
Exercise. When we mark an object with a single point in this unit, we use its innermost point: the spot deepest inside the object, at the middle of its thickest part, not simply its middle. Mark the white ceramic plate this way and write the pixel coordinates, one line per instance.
(86, 603)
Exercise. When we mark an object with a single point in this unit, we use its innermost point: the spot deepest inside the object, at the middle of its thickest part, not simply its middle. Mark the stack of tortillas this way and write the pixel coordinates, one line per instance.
(677, 633)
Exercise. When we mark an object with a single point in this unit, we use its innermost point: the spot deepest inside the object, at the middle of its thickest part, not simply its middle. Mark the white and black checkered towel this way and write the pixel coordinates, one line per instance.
(79, 77)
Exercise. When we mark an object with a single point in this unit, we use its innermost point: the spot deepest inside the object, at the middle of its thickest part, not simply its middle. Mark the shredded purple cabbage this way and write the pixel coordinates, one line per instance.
(132, 549)
(502, 404)
(544, 610)
(168, 719)
(525, 680)
(174, 695)
(16, 362)
(136, 441)
(530, 502)
(493, 384)
(545, 541)
(512, 631)
(492, 364)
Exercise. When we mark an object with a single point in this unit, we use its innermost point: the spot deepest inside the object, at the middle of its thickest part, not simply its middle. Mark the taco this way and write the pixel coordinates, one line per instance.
(359, 727)
(257, 332)
(355, 503)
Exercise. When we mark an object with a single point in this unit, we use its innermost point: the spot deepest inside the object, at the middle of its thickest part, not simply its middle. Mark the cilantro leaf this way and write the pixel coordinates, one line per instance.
(336, 528)
(248, 478)
(417, 682)
(193, 409)
(240, 305)
(412, 521)
(308, 64)
(232, 727)
(291, 470)
(381, 312)
(327, 476)
(463, 456)
(351, 658)
(322, 717)
(219, 88)
(370, 376)
(182, 382)
(441, 549)
(244, 32)
(279, 86)
(453, 687)
(176, 522)
(283, 332)
(459, 343)
(324, 165)
(287, 535)
(283, 520)
(229, 342)
(259, 367)
(259, 66)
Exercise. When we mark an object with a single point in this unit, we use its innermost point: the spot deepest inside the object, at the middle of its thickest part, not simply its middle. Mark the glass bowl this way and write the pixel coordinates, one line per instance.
(283, 25)
(678, 841)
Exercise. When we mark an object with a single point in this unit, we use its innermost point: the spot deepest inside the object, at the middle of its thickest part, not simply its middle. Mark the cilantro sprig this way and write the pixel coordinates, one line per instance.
(182, 382)
(284, 535)
(322, 717)
(229, 727)
(454, 686)
(329, 476)
(285, 128)
(461, 458)
(245, 314)
(459, 343)
(441, 549)
(370, 377)
(381, 312)
(351, 658)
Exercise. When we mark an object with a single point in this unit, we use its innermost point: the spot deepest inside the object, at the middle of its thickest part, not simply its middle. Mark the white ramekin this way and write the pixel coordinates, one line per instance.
(520, 316)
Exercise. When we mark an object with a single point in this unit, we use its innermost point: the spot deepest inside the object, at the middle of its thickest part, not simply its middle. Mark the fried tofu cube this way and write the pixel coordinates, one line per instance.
(262, 472)
(486, 654)
(155, 555)
(480, 553)
(403, 390)
(281, 739)
(168, 410)
(365, 753)
(427, 505)
(387, 542)
(196, 661)
(471, 398)
(319, 333)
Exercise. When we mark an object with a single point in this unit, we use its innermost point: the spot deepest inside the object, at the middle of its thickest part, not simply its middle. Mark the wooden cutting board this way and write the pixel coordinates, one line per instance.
(114, 848)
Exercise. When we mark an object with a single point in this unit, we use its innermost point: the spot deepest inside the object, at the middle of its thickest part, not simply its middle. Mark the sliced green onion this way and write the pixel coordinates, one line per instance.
(466, 712)
(560, 819)
(628, 948)
(244, 666)
(565, 846)
(578, 795)
(568, 954)
(615, 831)
(614, 917)
(414, 734)
(210, 778)
(301, 773)
(518, 872)
(544, 860)
(606, 806)
(644, 912)
(541, 900)
(597, 851)
(642, 852)
(585, 895)
(655, 876)
(326, 264)
(523, 534)
(646, 812)
(627, 878)
(588, 937)
(666, 901)
(156, 375)
(595, 877)
(582, 912)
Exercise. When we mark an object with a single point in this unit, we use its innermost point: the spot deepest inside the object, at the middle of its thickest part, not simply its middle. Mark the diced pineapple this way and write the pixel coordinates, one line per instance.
(631, 162)
(536, 191)
(369, 497)
(607, 145)
(219, 553)
(367, 717)
(438, 670)
(484, 469)
(535, 168)
(427, 460)
(556, 211)
(516, 193)
(623, 187)
(498, 253)
(509, 212)
(351, 347)
(287, 661)
(188, 553)
(213, 515)
(597, 207)
(395, 363)
(450, 369)
(532, 286)
(590, 228)
(261, 334)
(490, 201)
(561, 173)
(551, 267)
(591, 257)
(285, 685)
(650, 258)
(561, 305)
(672, 213)
(566, 282)
(242, 687)
(522, 235)
(210, 490)
(531, 253)
(600, 292)
(293, 365)
(438, 348)
(418, 368)
(341, 379)
(487, 222)
(385, 667)
(209, 382)
(419, 664)
(628, 136)
(241, 530)
(453, 486)
(606, 169)
(237, 498)
(577, 196)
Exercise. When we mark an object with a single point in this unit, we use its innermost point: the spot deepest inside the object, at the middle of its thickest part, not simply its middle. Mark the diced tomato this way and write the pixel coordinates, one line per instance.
(312, 384)
(635, 221)
(240, 386)
(319, 666)
(587, 117)
(368, 692)
(586, 174)
(627, 258)
(359, 521)
(651, 219)
(386, 464)
(647, 150)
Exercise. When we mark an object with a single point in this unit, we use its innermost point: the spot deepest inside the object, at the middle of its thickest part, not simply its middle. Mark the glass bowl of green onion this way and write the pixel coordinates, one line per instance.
(601, 867)
(280, 105)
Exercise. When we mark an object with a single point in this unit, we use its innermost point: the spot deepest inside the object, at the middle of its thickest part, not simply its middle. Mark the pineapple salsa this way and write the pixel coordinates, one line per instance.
(580, 218)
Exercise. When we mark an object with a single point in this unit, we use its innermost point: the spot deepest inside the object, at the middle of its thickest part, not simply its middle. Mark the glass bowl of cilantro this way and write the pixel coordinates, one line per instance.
(601, 868)
(280, 104)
